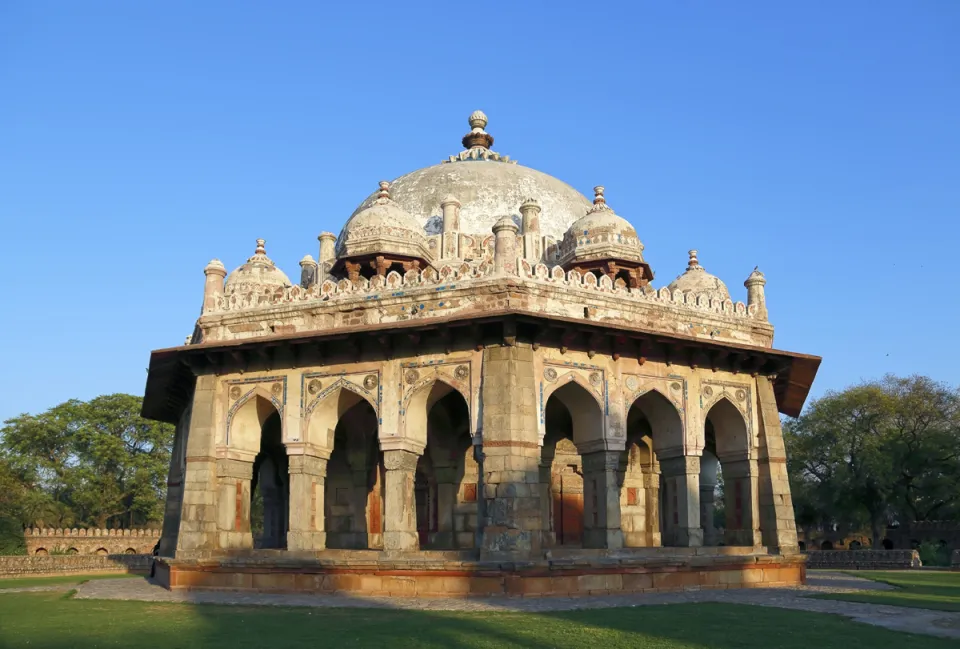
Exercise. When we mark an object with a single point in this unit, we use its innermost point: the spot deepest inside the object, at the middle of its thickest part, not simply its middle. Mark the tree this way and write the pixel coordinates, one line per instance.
(95, 463)
(877, 452)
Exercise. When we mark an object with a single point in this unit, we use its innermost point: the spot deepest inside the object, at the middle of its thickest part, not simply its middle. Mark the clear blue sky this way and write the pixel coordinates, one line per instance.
(138, 140)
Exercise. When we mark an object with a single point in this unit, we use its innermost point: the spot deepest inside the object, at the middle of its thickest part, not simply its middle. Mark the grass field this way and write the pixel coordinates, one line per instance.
(917, 589)
(29, 582)
(53, 621)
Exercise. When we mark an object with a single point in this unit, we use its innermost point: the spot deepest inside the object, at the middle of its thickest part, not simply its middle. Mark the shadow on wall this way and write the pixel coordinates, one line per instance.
(719, 626)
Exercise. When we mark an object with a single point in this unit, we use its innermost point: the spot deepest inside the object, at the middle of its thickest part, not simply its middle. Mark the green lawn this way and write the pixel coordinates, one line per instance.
(70, 580)
(918, 589)
(53, 620)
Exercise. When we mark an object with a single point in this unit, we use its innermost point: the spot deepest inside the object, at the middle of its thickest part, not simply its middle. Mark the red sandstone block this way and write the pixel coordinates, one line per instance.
(599, 582)
(405, 586)
(634, 583)
(675, 580)
(370, 583)
(273, 581)
(341, 582)
(456, 586)
(308, 583)
(487, 586)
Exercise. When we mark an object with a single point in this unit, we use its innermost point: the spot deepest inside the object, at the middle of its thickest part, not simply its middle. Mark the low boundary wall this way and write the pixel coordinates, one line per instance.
(42, 566)
(864, 559)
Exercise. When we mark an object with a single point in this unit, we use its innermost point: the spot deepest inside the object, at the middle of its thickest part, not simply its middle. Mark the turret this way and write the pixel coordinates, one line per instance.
(450, 208)
(308, 272)
(532, 241)
(213, 285)
(755, 292)
(328, 242)
(505, 245)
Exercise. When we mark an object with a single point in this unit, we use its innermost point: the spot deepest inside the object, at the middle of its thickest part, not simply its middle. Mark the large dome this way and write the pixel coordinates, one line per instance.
(488, 186)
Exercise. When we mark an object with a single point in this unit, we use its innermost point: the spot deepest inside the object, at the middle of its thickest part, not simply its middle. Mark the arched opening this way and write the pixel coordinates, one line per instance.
(572, 418)
(728, 463)
(41, 552)
(653, 424)
(887, 544)
(129, 551)
(73, 551)
(445, 489)
(270, 489)
(353, 497)
(802, 546)
(826, 545)
(101, 552)
(856, 545)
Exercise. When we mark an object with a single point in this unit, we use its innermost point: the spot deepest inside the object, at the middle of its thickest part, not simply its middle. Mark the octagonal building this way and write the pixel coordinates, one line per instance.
(476, 389)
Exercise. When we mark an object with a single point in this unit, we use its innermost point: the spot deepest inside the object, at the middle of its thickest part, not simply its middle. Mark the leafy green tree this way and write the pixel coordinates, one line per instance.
(91, 463)
(877, 452)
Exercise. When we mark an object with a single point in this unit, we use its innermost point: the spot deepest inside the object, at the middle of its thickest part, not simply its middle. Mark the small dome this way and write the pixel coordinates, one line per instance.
(382, 227)
(259, 271)
(601, 233)
(699, 282)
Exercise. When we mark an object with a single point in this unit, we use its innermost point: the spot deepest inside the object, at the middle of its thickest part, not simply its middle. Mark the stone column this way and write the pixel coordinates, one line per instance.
(601, 524)
(777, 523)
(308, 476)
(681, 480)
(308, 272)
(198, 514)
(213, 286)
(233, 504)
(548, 535)
(400, 507)
(651, 491)
(511, 448)
(740, 478)
(328, 255)
(708, 501)
(505, 246)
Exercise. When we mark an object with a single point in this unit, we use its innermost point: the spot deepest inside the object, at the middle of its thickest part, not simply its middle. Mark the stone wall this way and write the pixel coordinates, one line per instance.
(955, 560)
(864, 559)
(35, 566)
(95, 541)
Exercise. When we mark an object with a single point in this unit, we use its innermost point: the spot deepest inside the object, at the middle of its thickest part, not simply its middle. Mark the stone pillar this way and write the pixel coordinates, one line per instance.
(532, 242)
(308, 476)
(681, 481)
(601, 491)
(450, 248)
(173, 507)
(328, 254)
(213, 285)
(740, 503)
(755, 293)
(548, 536)
(708, 503)
(651, 491)
(400, 507)
(308, 272)
(233, 504)
(505, 246)
(512, 523)
(777, 523)
(198, 514)
(447, 487)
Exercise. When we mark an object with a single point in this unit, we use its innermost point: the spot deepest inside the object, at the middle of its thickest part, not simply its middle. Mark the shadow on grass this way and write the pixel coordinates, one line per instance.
(51, 621)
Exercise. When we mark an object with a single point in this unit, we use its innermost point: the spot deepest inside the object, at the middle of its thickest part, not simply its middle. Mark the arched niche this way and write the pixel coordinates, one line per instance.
(659, 418)
(730, 430)
(245, 422)
(586, 414)
(325, 411)
(420, 402)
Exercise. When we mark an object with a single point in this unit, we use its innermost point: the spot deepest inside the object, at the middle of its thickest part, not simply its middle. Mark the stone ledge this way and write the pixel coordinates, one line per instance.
(37, 566)
(864, 559)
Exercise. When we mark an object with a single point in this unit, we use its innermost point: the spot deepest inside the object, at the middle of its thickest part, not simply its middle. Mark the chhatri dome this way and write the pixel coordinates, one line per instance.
(259, 270)
(698, 281)
(487, 185)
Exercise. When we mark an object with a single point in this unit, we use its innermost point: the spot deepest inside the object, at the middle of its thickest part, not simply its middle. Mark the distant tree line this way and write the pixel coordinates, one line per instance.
(90, 463)
(880, 453)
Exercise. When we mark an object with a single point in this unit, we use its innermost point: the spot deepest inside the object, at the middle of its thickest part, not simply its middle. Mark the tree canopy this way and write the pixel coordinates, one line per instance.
(84, 463)
(877, 453)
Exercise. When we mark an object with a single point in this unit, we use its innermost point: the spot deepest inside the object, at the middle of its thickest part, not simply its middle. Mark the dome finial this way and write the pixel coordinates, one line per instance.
(477, 138)
(694, 262)
(384, 192)
(261, 250)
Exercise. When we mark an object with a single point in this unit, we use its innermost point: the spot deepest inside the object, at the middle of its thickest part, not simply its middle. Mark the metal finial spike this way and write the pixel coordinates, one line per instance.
(261, 250)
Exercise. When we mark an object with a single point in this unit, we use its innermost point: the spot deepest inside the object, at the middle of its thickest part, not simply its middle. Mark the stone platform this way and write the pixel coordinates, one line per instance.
(440, 574)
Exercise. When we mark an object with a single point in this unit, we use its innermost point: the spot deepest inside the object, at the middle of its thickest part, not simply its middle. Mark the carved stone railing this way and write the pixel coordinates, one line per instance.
(864, 559)
(447, 275)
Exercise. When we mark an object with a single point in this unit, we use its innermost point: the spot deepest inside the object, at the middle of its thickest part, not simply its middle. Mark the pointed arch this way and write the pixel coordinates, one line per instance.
(325, 410)
(730, 429)
(247, 415)
(420, 400)
(586, 412)
(665, 419)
